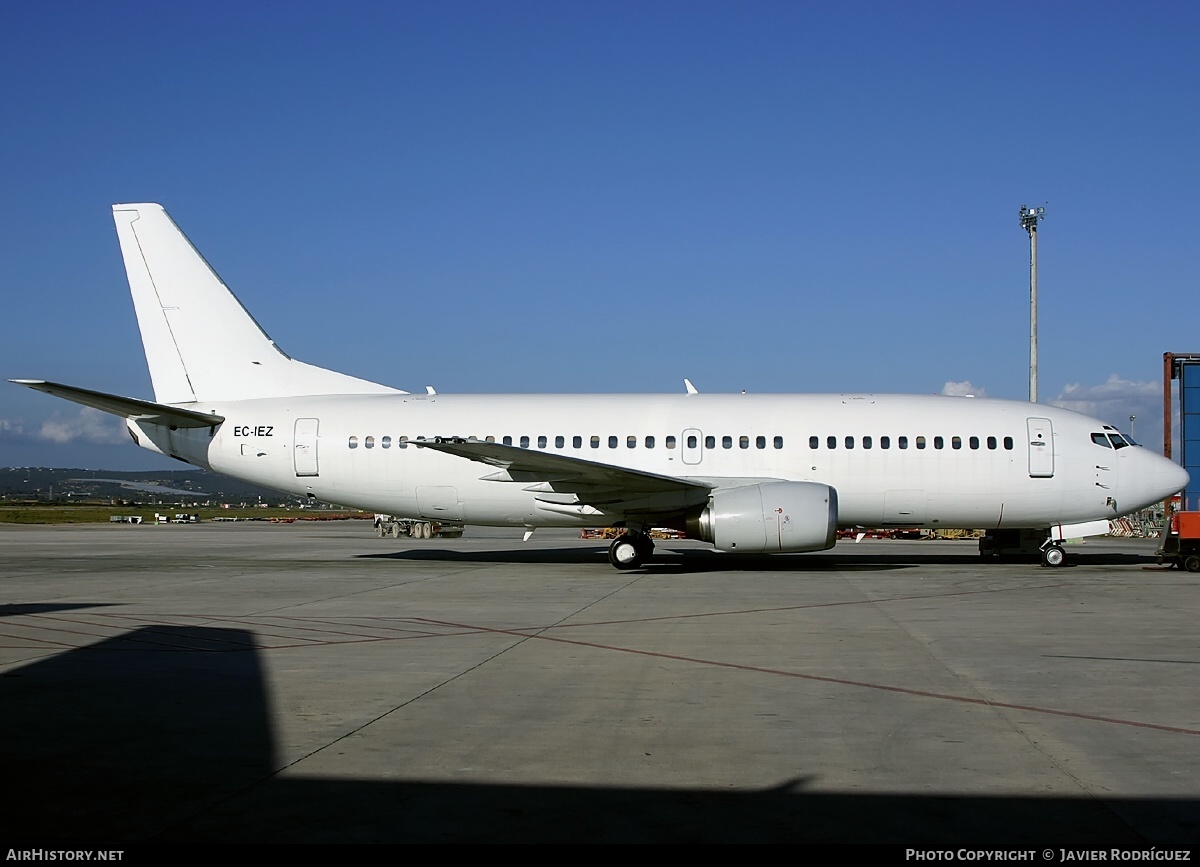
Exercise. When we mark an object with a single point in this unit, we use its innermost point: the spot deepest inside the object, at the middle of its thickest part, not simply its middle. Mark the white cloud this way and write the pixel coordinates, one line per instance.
(89, 426)
(1115, 400)
(964, 388)
(12, 429)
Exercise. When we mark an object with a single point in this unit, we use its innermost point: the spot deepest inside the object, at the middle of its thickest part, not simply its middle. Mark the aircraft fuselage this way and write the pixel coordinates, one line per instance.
(894, 460)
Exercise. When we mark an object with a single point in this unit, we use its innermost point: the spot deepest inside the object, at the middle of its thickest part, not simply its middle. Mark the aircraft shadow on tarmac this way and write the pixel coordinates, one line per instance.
(664, 560)
(13, 609)
(706, 560)
(164, 734)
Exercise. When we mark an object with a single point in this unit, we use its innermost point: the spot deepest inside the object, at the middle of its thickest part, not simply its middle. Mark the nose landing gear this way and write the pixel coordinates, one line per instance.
(1053, 555)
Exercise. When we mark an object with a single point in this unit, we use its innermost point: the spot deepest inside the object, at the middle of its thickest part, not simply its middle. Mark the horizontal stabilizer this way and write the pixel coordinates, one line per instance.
(126, 407)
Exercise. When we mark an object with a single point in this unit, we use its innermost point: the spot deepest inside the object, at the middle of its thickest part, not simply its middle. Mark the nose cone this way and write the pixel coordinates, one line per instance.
(1150, 479)
(1164, 478)
(1174, 478)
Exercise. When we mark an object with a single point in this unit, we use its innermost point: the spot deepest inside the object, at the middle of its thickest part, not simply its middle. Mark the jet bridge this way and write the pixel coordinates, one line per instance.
(1186, 368)
(1180, 541)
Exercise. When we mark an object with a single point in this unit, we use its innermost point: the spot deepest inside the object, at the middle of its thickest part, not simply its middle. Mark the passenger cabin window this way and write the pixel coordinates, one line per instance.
(595, 442)
(710, 442)
(778, 442)
(524, 442)
(559, 442)
(576, 442)
(849, 442)
(726, 442)
(649, 442)
(612, 442)
(920, 442)
(670, 442)
(353, 442)
(991, 441)
(902, 442)
(631, 442)
(507, 441)
(541, 442)
(743, 442)
(831, 442)
(813, 442)
(1008, 443)
(885, 442)
(938, 442)
(385, 442)
(369, 442)
(402, 442)
(956, 442)
(866, 442)
(974, 442)
(760, 442)
(691, 441)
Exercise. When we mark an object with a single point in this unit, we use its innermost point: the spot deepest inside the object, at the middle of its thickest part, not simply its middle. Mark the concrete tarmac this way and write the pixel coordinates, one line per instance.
(310, 682)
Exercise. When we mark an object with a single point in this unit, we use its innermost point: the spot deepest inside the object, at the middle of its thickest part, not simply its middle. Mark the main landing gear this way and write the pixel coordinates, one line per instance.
(630, 550)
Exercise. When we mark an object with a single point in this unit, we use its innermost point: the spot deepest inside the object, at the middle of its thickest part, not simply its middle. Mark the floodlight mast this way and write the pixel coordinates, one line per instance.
(1030, 217)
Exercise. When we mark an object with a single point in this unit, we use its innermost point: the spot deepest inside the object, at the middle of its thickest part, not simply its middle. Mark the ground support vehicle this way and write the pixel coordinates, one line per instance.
(1180, 545)
(386, 525)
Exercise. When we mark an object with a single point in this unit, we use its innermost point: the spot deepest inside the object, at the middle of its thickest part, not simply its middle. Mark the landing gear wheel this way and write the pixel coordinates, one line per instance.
(1192, 563)
(1053, 555)
(625, 552)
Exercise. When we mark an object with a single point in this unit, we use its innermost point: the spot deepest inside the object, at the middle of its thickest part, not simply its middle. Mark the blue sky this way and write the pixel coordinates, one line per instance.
(608, 197)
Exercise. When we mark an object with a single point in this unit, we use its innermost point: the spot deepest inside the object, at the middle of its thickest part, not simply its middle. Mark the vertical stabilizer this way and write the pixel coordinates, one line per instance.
(200, 342)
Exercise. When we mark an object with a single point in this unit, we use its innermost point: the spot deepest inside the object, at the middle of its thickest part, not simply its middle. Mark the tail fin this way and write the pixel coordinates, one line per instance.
(201, 343)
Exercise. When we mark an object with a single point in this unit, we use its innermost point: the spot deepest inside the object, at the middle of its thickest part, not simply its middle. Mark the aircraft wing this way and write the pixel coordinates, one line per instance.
(126, 407)
(565, 481)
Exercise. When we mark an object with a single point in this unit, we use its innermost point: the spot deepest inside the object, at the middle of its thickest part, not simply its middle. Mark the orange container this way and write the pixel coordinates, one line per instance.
(1188, 524)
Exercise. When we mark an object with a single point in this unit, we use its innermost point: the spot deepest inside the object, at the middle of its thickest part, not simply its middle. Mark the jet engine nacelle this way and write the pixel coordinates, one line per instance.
(770, 518)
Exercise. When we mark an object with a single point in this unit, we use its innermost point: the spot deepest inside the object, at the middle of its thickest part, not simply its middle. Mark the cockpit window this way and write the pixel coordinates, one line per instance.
(1118, 441)
(1101, 440)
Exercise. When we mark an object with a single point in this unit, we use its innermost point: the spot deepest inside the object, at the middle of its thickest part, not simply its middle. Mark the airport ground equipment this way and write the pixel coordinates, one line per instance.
(1180, 546)
(387, 525)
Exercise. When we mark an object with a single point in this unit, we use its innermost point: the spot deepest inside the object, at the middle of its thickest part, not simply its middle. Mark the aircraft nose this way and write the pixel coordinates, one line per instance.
(1182, 478)
(1169, 478)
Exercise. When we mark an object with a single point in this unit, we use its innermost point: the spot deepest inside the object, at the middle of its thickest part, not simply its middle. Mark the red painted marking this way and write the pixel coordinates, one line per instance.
(920, 693)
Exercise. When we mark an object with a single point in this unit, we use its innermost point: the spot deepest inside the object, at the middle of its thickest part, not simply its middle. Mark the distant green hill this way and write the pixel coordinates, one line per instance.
(167, 486)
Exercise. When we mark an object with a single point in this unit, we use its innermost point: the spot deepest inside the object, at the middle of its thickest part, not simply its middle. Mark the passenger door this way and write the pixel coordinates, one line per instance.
(304, 448)
(1041, 448)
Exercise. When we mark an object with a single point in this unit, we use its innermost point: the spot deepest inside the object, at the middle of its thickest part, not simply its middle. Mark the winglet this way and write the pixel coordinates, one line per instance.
(687, 384)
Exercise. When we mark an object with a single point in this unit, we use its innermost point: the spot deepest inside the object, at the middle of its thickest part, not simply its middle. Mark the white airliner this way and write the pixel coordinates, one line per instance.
(748, 473)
